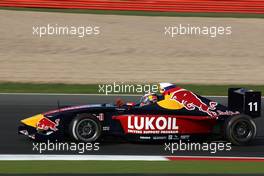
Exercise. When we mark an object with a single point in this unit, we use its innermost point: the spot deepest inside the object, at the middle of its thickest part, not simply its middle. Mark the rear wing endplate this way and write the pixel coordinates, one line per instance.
(245, 101)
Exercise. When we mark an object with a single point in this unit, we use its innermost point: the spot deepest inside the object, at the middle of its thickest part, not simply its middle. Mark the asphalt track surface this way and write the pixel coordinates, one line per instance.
(14, 107)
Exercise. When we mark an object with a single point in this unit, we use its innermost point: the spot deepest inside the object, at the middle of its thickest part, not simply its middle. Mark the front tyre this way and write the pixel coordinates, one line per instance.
(240, 129)
(85, 128)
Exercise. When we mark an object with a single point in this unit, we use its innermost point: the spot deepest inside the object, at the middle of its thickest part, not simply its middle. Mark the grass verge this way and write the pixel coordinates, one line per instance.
(94, 88)
(27, 167)
(137, 13)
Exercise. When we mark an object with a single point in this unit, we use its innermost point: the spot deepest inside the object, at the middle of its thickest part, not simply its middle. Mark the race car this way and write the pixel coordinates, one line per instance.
(173, 114)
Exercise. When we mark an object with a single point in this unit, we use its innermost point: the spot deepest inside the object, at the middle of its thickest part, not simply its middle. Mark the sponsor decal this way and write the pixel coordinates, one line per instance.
(192, 101)
(148, 124)
(185, 137)
(168, 103)
(32, 136)
(159, 137)
(25, 132)
(145, 137)
(47, 124)
(178, 98)
(100, 116)
(106, 128)
(227, 113)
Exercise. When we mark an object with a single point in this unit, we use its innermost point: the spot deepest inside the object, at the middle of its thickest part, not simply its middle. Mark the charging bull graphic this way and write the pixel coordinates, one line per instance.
(190, 101)
(46, 124)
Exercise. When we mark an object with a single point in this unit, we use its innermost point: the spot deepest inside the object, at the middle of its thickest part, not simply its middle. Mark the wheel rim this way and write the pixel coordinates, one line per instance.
(242, 130)
(87, 130)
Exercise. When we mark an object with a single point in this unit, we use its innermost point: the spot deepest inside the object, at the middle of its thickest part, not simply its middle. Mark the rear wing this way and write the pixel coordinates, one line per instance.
(245, 101)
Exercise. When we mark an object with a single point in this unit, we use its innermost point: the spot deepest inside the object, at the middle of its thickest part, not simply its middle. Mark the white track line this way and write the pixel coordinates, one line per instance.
(215, 158)
(120, 158)
(82, 157)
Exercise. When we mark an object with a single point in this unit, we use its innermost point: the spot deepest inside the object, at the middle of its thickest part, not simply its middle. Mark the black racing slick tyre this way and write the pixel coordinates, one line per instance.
(240, 129)
(85, 128)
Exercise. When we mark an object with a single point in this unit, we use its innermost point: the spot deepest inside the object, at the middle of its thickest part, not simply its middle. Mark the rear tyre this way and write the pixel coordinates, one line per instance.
(240, 129)
(85, 128)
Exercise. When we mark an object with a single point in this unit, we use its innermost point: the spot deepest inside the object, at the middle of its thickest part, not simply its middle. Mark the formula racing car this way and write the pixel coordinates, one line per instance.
(173, 114)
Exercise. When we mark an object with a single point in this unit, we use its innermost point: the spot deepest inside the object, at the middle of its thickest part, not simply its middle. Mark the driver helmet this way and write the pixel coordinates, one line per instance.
(149, 99)
(165, 86)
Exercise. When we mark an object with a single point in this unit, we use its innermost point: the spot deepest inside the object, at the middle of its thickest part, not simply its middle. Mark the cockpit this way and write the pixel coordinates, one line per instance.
(148, 99)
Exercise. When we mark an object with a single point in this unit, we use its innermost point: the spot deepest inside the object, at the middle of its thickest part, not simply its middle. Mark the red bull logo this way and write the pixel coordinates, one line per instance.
(191, 101)
(47, 124)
